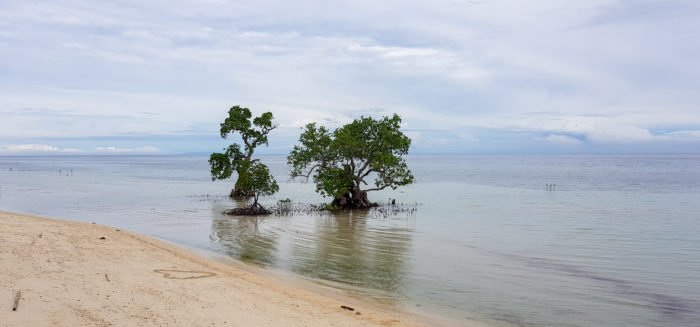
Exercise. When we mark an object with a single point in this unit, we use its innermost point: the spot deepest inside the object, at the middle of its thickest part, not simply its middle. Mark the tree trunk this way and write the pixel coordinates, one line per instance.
(355, 199)
(238, 192)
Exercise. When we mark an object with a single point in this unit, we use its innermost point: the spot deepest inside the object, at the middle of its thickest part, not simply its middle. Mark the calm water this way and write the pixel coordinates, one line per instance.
(617, 243)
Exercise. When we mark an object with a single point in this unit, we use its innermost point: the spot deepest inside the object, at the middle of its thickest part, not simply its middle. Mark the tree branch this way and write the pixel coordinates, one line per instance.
(247, 144)
(364, 166)
(377, 188)
(308, 174)
(366, 174)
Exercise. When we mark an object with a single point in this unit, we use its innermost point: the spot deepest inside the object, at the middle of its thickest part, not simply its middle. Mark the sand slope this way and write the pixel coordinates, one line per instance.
(68, 276)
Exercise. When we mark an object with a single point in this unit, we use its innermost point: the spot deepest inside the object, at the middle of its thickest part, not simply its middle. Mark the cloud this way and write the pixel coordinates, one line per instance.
(542, 68)
(693, 135)
(413, 135)
(35, 148)
(115, 150)
(561, 139)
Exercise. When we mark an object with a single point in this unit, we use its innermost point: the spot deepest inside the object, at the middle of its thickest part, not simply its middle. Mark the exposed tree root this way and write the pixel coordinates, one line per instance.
(254, 210)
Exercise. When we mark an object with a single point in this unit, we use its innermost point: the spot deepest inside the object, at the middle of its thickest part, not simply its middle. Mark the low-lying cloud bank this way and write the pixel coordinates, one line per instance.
(47, 149)
(140, 150)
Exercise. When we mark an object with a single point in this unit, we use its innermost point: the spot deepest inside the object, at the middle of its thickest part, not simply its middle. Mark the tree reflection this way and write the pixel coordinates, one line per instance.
(244, 238)
(352, 249)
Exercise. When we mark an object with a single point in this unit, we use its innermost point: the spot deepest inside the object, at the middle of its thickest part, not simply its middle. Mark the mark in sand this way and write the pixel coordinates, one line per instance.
(184, 274)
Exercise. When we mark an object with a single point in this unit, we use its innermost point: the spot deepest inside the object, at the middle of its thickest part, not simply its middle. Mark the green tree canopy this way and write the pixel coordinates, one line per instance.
(259, 182)
(237, 158)
(341, 162)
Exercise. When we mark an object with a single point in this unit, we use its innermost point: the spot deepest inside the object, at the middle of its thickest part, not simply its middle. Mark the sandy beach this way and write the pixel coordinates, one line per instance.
(77, 274)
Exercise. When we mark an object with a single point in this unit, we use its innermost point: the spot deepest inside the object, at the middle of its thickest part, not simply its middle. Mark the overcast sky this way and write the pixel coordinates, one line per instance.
(501, 76)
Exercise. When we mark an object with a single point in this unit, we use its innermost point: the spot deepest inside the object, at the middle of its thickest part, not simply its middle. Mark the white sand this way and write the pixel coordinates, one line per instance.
(68, 276)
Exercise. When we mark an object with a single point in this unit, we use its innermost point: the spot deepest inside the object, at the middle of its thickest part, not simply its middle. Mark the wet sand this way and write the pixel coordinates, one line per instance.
(76, 274)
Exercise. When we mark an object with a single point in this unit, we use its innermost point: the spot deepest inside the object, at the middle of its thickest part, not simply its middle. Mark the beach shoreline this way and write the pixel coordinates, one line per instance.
(80, 274)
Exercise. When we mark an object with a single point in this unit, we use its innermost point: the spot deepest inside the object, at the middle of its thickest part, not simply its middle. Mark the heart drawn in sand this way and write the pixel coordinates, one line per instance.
(184, 274)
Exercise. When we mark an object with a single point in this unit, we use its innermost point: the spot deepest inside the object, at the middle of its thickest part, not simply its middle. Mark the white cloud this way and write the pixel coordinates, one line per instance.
(413, 135)
(428, 61)
(561, 139)
(17, 149)
(693, 135)
(35, 148)
(116, 150)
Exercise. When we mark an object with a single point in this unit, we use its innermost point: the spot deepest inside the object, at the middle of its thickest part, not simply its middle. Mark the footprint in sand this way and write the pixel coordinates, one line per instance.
(183, 274)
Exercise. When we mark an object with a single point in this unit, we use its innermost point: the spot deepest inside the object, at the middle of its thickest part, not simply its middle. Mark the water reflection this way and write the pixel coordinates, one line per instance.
(366, 255)
(355, 250)
(244, 238)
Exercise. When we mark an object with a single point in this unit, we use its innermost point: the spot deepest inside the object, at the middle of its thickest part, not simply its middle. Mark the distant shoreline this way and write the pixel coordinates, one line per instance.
(72, 273)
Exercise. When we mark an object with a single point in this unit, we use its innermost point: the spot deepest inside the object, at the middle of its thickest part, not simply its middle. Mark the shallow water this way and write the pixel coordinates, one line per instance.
(617, 243)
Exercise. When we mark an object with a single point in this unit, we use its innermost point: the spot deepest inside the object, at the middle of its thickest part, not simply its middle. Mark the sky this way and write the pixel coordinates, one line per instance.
(466, 76)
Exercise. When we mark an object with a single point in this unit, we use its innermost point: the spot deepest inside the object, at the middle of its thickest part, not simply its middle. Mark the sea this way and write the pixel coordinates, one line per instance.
(510, 240)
